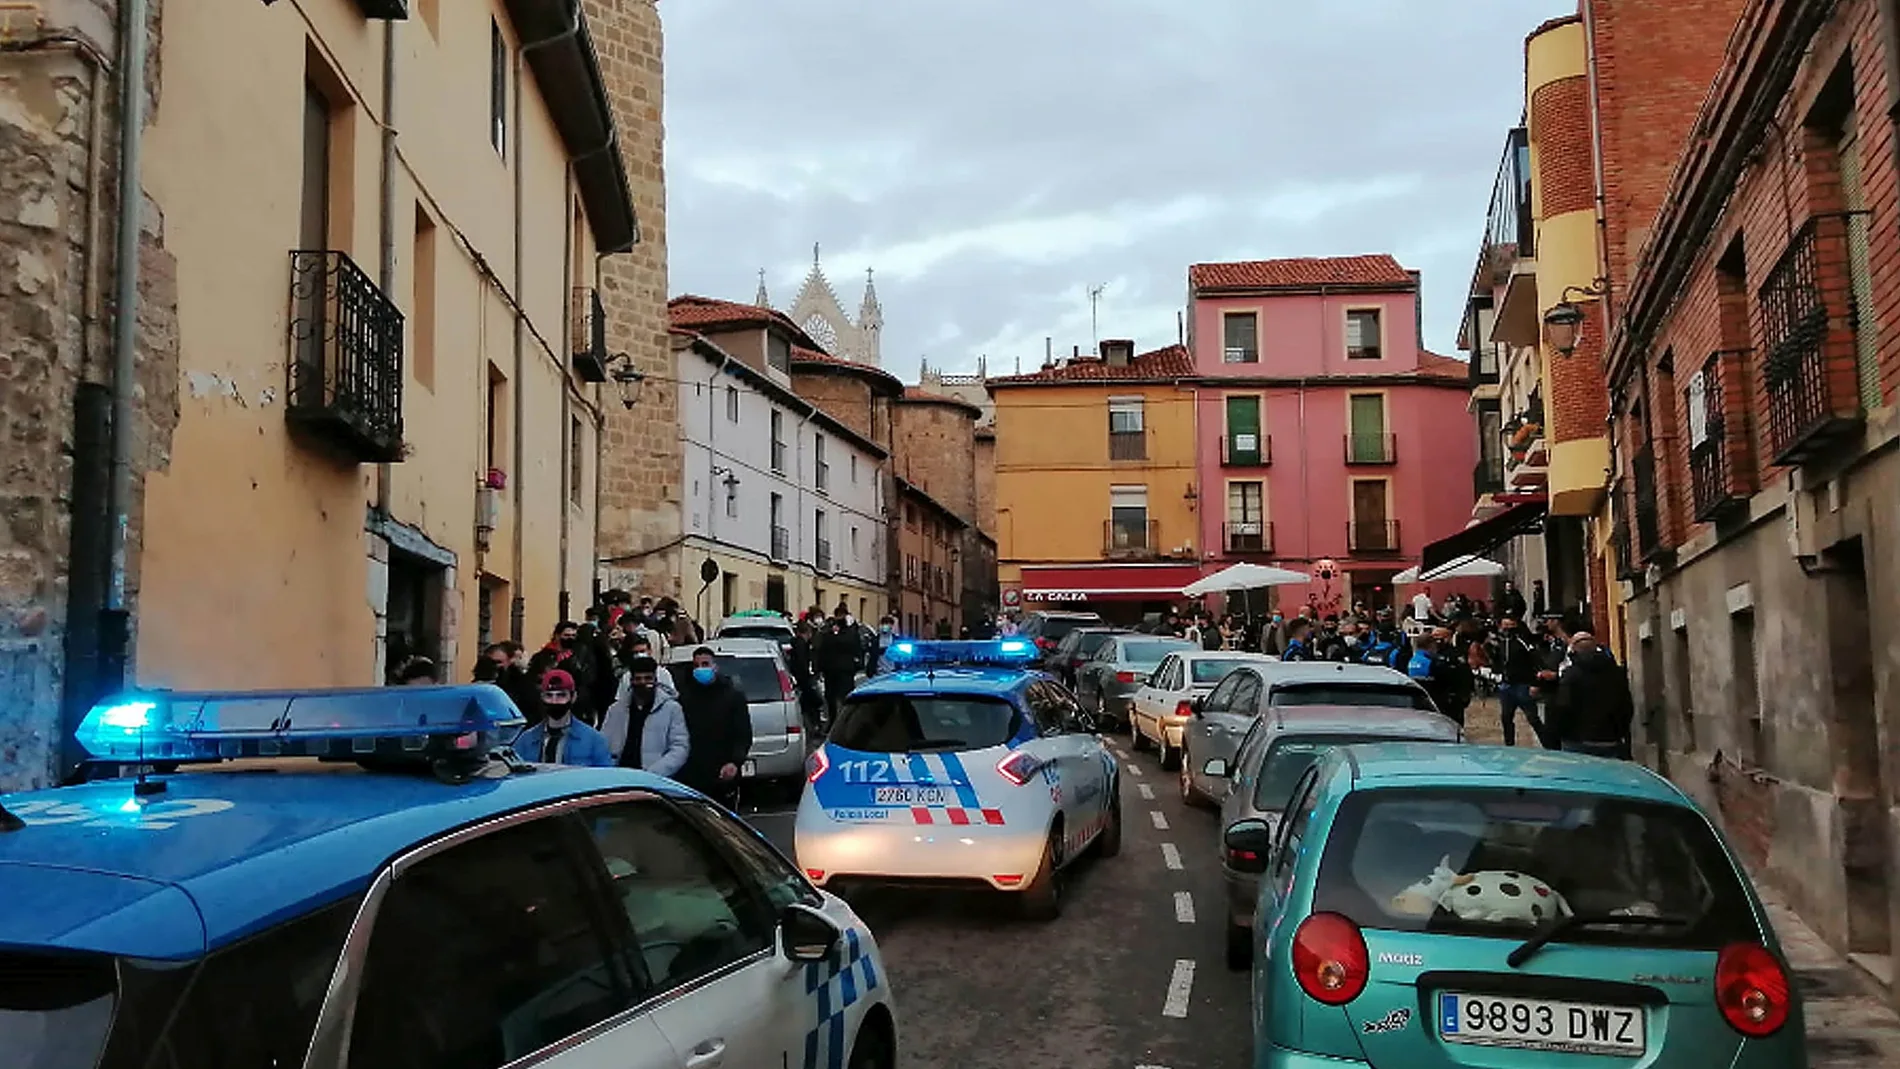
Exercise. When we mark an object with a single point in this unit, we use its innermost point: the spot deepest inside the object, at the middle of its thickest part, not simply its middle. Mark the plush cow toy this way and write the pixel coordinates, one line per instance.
(1498, 897)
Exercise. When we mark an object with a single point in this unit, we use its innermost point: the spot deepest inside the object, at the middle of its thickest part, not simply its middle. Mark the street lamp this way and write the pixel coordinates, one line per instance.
(627, 379)
(1563, 324)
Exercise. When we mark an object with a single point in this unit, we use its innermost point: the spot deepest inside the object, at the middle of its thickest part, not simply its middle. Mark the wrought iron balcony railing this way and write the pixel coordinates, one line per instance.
(1372, 448)
(1246, 450)
(589, 344)
(1802, 411)
(1124, 538)
(1243, 537)
(1711, 481)
(1127, 445)
(1510, 232)
(1372, 537)
(1647, 508)
(346, 370)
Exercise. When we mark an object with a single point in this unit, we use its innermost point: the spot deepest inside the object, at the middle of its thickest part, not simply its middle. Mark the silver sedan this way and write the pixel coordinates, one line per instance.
(1105, 684)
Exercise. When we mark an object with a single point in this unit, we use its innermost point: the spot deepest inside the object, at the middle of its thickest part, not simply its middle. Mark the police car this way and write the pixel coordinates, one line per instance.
(369, 879)
(965, 766)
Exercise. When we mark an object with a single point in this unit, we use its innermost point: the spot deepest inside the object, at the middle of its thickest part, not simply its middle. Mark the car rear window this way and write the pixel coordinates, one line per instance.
(1291, 756)
(756, 677)
(1090, 641)
(1372, 695)
(1213, 671)
(1148, 654)
(1500, 862)
(776, 634)
(1054, 628)
(911, 723)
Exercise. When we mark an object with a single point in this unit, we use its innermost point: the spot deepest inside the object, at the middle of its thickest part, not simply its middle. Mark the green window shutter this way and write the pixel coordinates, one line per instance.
(1243, 430)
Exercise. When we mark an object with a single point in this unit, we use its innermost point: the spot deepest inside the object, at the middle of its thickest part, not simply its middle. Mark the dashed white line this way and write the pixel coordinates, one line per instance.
(1180, 986)
(1184, 907)
(1171, 856)
(1147, 792)
(1160, 819)
(1134, 770)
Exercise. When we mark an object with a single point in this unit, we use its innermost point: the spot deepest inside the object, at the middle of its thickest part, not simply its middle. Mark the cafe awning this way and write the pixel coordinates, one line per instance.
(1483, 536)
(1106, 582)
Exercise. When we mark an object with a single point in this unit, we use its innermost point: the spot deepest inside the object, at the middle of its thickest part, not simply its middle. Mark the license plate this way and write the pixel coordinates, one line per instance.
(749, 769)
(1541, 1024)
(910, 796)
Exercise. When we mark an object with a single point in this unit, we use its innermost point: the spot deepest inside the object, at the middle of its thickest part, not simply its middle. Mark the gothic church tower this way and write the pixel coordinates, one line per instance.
(818, 310)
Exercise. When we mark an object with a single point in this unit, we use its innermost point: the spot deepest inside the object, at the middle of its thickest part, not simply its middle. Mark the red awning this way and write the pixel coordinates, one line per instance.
(1107, 582)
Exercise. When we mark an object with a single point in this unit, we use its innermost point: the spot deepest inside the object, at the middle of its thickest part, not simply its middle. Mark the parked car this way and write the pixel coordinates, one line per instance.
(1076, 647)
(760, 623)
(1440, 906)
(1229, 709)
(1106, 682)
(1046, 629)
(1278, 748)
(756, 667)
(1162, 706)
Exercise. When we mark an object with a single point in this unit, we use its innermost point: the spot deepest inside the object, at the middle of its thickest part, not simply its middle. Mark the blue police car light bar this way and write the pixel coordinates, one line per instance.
(916, 654)
(381, 721)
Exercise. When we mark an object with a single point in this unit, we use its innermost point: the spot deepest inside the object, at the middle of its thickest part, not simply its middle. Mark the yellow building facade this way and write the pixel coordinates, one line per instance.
(1095, 482)
(390, 372)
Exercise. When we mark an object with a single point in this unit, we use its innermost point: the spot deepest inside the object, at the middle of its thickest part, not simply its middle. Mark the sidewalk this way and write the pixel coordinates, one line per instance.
(1849, 1025)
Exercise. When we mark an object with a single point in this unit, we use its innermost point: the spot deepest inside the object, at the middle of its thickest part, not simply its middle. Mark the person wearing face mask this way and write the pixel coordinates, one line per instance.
(561, 738)
(886, 634)
(644, 727)
(839, 655)
(718, 728)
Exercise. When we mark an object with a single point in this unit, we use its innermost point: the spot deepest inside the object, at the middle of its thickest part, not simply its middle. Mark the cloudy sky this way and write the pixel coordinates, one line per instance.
(994, 159)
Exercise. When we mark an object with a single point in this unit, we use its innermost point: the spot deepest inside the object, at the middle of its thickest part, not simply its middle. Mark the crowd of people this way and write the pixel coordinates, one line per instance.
(1570, 690)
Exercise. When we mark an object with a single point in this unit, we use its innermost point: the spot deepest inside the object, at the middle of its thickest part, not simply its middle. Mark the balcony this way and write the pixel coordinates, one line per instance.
(1487, 476)
(345, 390)
(1372, 538)
(589, 344)
(1804, 415)
(822, 561)
(1246, 451)
(1247, 538)
(1128, 445)
(1711, 479)
(1122, 539)
(1372, 448)
(1509, 228)
(1620, 536)
(1648, 511)
(781, 544)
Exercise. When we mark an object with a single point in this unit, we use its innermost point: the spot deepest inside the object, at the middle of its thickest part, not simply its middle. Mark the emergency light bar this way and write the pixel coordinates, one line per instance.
(379, 722)
(1006, 651)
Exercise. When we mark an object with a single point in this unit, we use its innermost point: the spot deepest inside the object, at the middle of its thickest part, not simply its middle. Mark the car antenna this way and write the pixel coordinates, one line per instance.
(143, 785)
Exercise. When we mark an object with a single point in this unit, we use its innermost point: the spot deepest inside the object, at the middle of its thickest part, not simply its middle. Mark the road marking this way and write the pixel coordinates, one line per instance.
(1171, 856)
(1147, 792)
(1134, 770)
(1160, 819)
(1180, 985)
(1184, 907)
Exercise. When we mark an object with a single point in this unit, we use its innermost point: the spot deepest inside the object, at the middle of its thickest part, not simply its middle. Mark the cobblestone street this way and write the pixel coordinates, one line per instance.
(1849, 1025)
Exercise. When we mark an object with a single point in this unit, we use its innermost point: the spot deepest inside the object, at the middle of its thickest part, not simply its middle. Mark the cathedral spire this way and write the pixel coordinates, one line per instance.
(870, 312)
(762, 299)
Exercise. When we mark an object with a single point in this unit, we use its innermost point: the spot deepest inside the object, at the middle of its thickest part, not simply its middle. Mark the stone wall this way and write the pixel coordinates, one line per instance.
(986, 483)
(936, 451)
(641, 462)
(54, 193)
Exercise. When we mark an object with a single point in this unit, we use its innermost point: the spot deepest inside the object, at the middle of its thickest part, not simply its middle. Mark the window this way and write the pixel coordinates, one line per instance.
(1127, 435)
(495, 415)
(1699, 404)
(732, 404)
(821, 471)
(422, 301)
(778, 353)
(778, 442)
(914, 723)
(576, 459)
(1291, 756)
(1246, 518)
(781, 539)
(540, 972)
(1241, 334)
(769, 874)
(1363, 334)
(690, 912)
(732, 497)
(854, 469)
(1128, 517)
(314, 225)
(822, 533)
(498, 89)
(1367, 442)
(854, 543)
(1243, 445)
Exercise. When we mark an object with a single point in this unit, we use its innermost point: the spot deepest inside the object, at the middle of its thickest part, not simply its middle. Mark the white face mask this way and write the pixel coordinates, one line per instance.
(850, 622)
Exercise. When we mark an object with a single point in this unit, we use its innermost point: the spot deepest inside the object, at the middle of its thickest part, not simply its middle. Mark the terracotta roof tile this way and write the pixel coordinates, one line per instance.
(1172, 362)
(1301, 273)
(919, 395)
(1433, 366)
(808, 356)
(691, 310)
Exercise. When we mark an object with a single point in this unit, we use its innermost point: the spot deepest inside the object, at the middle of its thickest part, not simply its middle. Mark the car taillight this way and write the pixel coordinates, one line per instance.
(1018, 767)
(817, 765)
(1751, 988)
(1330, 959)
(1184, 709)
(786, 685)
(1044, 644)
(1124, 677)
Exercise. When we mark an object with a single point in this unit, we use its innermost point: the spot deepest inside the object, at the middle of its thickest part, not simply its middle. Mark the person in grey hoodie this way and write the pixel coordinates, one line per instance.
(645, 727)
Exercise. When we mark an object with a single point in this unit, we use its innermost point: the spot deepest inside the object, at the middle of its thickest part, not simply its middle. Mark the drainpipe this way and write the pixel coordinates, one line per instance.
(133, 40)
(386, 235)
(712, 451)
(1596, 160)
(567, 411)
(798, 493)
(518, 603)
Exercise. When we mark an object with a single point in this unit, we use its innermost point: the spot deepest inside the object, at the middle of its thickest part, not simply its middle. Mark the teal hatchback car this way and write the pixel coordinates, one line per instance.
(1430, 906)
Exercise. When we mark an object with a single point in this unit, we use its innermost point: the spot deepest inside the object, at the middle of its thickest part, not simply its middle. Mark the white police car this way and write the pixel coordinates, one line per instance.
(314, 896)
(963, 767)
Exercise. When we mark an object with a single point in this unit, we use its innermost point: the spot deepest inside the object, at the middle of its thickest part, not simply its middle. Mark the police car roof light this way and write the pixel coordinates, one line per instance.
(920, 654)
(380, 722)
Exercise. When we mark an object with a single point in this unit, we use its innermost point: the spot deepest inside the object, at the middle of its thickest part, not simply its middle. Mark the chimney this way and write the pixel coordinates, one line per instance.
(1117, 352)
(1418, 305)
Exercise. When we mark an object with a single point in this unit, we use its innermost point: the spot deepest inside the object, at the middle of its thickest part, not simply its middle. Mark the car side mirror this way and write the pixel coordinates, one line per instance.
(1248, 843)
(1215, 768)
(806, 934)
(1199, 705)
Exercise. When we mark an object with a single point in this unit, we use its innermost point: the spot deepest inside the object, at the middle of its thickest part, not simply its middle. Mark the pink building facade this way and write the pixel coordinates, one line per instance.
(1325, 431)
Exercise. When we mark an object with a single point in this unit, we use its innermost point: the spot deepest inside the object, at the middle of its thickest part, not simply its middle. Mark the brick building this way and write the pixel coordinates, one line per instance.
(1753, 360)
